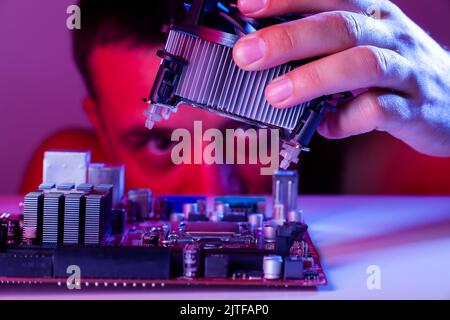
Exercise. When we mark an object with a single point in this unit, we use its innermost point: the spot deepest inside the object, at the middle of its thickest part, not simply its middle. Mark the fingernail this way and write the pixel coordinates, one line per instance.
(249, 50)
(251, 6)
(279, 90)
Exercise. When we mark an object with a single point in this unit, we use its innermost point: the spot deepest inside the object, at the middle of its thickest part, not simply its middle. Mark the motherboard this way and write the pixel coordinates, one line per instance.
(80, 219)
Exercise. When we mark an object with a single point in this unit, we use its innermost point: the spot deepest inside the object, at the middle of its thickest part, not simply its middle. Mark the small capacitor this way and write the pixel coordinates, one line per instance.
(191, 260)
(272, 267)
(270, 232)
(256, 221)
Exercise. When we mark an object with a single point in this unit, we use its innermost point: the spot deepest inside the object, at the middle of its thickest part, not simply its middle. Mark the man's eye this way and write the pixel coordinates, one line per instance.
(159, 144)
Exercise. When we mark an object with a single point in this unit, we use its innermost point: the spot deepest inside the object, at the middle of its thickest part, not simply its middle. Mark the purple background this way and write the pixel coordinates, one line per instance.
(41, 91)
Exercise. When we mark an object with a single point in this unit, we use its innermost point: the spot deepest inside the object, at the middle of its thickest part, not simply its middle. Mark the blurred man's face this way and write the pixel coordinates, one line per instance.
(121, 78)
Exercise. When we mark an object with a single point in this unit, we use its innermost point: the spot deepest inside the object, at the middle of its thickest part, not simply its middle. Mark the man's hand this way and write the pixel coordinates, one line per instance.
(363, 44)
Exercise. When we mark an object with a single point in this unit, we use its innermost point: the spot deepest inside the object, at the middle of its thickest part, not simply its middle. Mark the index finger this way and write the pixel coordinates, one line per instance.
(270, 8)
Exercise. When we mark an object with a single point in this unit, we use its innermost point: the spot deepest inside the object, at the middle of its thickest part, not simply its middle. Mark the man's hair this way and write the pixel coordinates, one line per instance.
(105, 22)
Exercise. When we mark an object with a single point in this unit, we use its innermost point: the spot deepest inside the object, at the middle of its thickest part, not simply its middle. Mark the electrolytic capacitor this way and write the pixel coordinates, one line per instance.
(270, 232)
(191, 260)
(272, 267)
(256, 221)
(278, 213)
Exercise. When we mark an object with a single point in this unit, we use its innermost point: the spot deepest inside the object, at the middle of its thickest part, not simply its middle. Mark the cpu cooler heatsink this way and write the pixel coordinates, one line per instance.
(197, 69)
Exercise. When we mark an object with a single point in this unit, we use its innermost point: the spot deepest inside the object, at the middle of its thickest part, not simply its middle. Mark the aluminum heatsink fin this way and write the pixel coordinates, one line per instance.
(53, 216)
(197, 69)
(74, 210)
(212, 80)
(33, 206)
